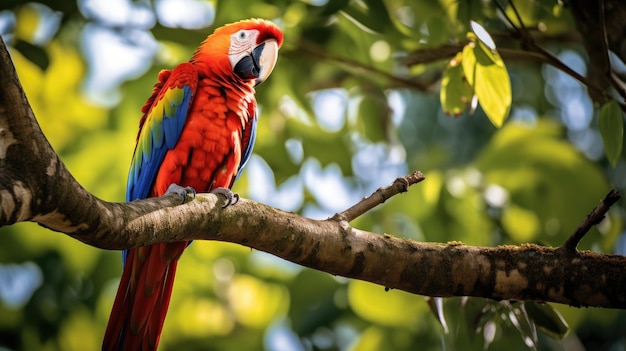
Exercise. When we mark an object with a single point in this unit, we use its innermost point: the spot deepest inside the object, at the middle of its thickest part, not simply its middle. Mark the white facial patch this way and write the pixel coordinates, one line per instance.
(243, 41)
(241, 44)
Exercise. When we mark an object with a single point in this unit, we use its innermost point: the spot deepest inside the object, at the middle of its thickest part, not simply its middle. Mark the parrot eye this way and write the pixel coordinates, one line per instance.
(242, 35)
(242, 41)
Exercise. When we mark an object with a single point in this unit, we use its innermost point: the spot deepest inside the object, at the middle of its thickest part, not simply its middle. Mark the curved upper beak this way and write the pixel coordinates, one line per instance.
(259, 63)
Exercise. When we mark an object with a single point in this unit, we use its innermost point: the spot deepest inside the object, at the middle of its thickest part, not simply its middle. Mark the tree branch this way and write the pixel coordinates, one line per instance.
(400, 185)
(312, 49)
(37, 187)
(591, 22)
(594, 217)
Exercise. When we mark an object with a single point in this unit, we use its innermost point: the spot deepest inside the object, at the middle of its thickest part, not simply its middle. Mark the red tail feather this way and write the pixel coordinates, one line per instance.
(143, 298)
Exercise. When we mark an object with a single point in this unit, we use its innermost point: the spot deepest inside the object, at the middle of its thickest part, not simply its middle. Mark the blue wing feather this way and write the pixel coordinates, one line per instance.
(160, 130)
(142, 175)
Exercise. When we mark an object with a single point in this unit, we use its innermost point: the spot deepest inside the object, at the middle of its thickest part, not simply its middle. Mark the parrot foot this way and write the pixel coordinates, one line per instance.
(231, 198)
(181, 191)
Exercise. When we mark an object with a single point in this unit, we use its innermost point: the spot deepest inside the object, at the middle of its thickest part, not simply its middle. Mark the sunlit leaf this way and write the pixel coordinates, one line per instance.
(539, 170)
(199, 317)
(520, 224)
(388, 308)
(255, 303)
(539, 14)
(469, 63)
(28, 22)
(456, 94)
(612, 130)
(224, 300)
(79, 332)
(372, 339)
(487, 75)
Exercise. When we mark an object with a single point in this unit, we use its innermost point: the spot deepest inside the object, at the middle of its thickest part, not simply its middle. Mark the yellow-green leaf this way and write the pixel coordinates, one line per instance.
(400, 309)
(522, 225)
(29, 21)
(487, 75)
(612, 130)
(469, 63)
(456, 93)
(492, 86)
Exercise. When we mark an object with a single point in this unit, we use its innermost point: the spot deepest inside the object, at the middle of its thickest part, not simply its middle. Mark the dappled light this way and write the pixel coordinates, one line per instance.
(513, 153)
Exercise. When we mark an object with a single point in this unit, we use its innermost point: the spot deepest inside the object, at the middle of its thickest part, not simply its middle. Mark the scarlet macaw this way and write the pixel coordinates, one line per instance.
(197, 130)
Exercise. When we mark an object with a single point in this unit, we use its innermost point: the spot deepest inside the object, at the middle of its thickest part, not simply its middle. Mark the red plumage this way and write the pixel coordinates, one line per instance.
(197, 130)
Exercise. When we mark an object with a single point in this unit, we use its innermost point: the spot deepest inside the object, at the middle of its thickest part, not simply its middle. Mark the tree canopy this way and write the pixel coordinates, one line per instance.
(512, 110)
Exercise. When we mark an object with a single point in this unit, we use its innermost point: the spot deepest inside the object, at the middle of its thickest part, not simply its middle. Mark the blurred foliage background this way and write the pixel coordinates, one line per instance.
(341, 115)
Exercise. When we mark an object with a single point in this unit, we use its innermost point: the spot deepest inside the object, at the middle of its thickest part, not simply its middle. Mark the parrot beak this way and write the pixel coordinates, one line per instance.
(259, 64)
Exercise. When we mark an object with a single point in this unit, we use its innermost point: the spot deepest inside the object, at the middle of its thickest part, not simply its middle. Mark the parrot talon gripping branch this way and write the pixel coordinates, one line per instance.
(197, 130)
(182, 191)
(231, 198)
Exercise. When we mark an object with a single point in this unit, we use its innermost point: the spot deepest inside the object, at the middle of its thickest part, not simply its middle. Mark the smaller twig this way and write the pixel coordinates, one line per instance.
(521, 32)
(381, 195)
(618, 85)
(427, 55)
(594, 217)
(313, 49)
(608, 70)
(606, 62)
(550, 58)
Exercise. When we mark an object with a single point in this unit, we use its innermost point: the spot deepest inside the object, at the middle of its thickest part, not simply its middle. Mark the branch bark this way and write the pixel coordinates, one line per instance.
(36, 186)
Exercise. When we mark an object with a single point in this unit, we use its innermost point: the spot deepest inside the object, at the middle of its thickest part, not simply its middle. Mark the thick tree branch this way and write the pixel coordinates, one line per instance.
(528, 272)
(37, 187)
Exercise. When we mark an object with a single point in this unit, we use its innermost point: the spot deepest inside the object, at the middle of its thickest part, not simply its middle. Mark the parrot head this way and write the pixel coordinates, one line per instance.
(246, 49)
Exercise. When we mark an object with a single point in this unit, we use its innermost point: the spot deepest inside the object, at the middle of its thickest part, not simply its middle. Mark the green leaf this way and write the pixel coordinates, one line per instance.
(373, 120)
(312, 303)
(373, 117)
(487, 75)
(456, 93)
(547, 319)
(469, 63)
(368, 17)
(526, 160)
(612, 130)
(333, 7)
(400, 309)
(371, 339)
(521, 224)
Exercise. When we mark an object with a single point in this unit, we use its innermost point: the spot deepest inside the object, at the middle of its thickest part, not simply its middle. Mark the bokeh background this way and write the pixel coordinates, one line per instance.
(341, 115)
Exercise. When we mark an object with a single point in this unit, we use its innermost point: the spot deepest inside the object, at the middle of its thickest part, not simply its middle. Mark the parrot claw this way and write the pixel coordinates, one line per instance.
(231, 198)
(181, 191)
